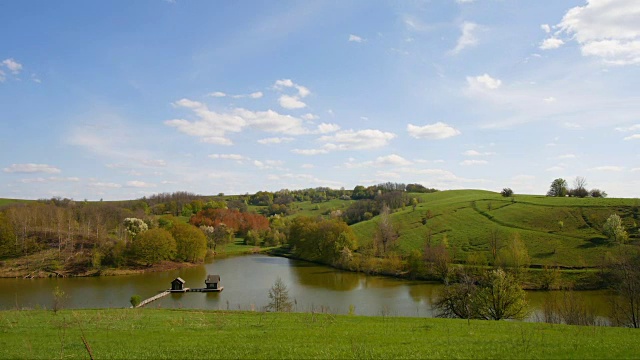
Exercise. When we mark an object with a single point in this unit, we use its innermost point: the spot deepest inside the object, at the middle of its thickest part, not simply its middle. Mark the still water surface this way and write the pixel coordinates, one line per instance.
(246, 281)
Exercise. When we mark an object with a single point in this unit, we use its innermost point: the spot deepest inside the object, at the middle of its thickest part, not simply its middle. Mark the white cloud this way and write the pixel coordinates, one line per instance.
(381, 161)
(355, 38)
(325, 128)
(350, 140)
(310, 117)
(473, 162)
(108, 185)
(392, 160)
(12, 65)
(310, 151)
(254, 95)
(468, 37)
(291, 102)
(567, 156)
(139, 184)
(279, 84)
(236, 157)
(571, 125)
(551, 43)
(212, 127)
(607, 168)
(483, 82)
(307, 166)
(633, 137)
(31, 168)
(477, 153)
(630, 128)
(435, 131)
(549, 99)
(606, 29)
(275, 140)
(546, 28)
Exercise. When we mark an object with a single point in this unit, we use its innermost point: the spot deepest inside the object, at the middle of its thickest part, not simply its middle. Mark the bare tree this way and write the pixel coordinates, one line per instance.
(580, 187)
(279, 297)
(386, 234)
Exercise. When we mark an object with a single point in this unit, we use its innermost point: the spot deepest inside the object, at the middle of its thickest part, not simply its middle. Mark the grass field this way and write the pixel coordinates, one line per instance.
(187, 334)
(467, 218)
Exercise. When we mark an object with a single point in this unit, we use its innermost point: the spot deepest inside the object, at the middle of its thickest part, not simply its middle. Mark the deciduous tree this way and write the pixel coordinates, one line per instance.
(558, 188)
(614, 230)
(153, 246)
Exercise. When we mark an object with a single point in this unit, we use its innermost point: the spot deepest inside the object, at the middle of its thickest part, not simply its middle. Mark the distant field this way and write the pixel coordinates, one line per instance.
(188, 334)
(10, 201)
(467, 218)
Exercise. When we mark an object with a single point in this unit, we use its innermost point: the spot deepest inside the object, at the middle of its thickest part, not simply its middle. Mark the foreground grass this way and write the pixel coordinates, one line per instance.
(149, 333)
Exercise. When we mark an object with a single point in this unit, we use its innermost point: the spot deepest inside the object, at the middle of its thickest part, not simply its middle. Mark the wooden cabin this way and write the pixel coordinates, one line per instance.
(177, 284)
(213, 282)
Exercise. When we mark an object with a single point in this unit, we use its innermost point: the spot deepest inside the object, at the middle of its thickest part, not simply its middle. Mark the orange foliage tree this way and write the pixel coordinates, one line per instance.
(240, 222)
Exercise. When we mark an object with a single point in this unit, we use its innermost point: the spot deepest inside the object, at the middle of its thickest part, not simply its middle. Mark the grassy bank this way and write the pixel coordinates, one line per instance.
(148, 333)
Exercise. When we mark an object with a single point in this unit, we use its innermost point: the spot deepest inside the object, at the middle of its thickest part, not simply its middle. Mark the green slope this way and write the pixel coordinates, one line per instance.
(467, 218)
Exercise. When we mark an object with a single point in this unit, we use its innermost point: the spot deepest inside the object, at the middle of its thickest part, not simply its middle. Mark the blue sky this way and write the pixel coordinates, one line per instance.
(122, 99)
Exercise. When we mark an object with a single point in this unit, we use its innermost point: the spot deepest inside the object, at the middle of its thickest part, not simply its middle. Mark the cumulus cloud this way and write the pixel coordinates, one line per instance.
(483, 82)
(139, 184)
(14, 66)
(633, 137)
(310, 117)
(350, 140)
(546, 28)
(435, 131)
(467, 38)
(609, 30)
(355, 38)
(551, 43)
(212, 127)
(325, 128)
(291, 102)
(217, 94)
(31, 168)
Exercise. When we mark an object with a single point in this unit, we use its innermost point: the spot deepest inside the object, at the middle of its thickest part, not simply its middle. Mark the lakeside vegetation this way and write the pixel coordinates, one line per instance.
(181, 334)
(569, 239)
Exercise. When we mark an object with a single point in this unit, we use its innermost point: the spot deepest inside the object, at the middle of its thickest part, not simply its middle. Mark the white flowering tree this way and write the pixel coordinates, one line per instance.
(135, 226)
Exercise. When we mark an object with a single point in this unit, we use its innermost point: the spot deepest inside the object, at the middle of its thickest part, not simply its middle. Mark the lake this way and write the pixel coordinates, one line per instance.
(246, 281)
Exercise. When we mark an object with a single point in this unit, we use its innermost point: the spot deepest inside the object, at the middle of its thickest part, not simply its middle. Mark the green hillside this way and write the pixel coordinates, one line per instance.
(467, 218)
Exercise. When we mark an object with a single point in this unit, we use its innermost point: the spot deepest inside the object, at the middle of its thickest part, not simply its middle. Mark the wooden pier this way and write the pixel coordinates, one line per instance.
(154, 298)
(206, 289)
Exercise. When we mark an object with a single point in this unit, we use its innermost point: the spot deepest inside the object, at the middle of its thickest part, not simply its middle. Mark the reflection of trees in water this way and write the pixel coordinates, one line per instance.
(325, 277)
(426, 293)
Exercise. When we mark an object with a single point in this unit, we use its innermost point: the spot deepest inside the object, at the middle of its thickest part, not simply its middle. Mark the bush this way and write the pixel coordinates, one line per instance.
(506, 192)
(135, 300)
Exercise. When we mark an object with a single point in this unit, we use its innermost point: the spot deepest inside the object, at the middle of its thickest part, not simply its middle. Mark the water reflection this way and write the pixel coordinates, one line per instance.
(246, 282)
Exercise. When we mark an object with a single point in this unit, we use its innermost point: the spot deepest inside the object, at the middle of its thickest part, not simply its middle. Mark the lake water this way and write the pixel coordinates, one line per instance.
(246, 281)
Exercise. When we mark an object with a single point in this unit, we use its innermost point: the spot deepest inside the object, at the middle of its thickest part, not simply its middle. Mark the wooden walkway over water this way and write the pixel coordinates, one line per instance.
(153, 298)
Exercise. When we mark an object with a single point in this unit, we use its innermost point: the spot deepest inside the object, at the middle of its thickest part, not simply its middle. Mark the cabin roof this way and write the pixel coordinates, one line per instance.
(212, 279)
(179, 279)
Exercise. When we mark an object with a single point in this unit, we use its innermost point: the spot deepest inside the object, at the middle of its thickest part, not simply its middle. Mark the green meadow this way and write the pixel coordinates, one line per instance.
(188, 334)
(556, 231)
